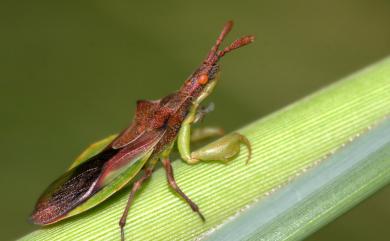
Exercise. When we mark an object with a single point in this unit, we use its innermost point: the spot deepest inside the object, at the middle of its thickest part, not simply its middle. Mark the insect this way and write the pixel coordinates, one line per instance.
(108, 165)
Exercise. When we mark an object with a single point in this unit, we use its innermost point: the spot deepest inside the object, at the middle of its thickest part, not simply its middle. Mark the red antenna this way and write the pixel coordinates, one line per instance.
(215, 54)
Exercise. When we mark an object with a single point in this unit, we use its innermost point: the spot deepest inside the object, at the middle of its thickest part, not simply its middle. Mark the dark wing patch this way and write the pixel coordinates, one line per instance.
(69, 190)
(81, 182)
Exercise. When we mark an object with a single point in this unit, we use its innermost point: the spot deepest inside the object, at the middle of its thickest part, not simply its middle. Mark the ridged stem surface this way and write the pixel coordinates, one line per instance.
(286, 144)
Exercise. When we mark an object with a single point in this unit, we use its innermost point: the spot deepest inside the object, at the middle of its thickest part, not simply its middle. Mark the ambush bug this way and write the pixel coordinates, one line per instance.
(108, 165)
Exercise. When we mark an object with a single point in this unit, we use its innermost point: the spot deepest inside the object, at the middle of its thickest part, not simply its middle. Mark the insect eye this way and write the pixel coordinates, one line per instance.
(203, 79)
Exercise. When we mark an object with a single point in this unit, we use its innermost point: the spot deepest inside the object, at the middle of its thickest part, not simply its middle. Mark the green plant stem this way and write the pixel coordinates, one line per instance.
(286, 144)
(319, 195)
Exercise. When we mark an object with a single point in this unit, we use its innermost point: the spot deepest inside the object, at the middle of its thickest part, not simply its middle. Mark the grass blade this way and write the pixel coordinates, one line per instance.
(285, 145)
(318, 196)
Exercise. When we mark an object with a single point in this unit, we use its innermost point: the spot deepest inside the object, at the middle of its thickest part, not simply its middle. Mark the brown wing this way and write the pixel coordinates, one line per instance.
(143, 144)
(145, 109)
(81, 182)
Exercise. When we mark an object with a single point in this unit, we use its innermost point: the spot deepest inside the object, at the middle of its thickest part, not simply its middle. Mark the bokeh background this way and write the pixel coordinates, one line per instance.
(71, 71)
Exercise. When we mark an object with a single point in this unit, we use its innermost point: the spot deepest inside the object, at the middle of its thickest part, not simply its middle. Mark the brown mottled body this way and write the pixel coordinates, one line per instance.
(156, 126)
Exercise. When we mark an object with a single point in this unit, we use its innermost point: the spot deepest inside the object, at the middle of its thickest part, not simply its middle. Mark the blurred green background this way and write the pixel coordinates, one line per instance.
(71, 71)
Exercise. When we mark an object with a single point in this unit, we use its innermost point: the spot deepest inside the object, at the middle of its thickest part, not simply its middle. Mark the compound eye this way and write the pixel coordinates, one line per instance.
(203, 79)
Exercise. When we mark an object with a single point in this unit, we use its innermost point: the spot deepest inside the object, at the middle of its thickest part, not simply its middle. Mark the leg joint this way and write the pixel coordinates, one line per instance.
(173, 184)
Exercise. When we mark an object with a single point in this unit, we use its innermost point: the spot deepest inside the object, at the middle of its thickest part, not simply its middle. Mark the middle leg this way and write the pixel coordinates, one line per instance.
(171, 181)
(204, 133)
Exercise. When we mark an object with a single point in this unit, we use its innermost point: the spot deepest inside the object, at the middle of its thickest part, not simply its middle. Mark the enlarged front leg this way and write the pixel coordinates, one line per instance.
(223, 149)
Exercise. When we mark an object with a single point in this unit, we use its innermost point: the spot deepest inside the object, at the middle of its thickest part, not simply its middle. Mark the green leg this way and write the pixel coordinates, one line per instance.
(184, 137)
(223, 149)
(200, 134)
